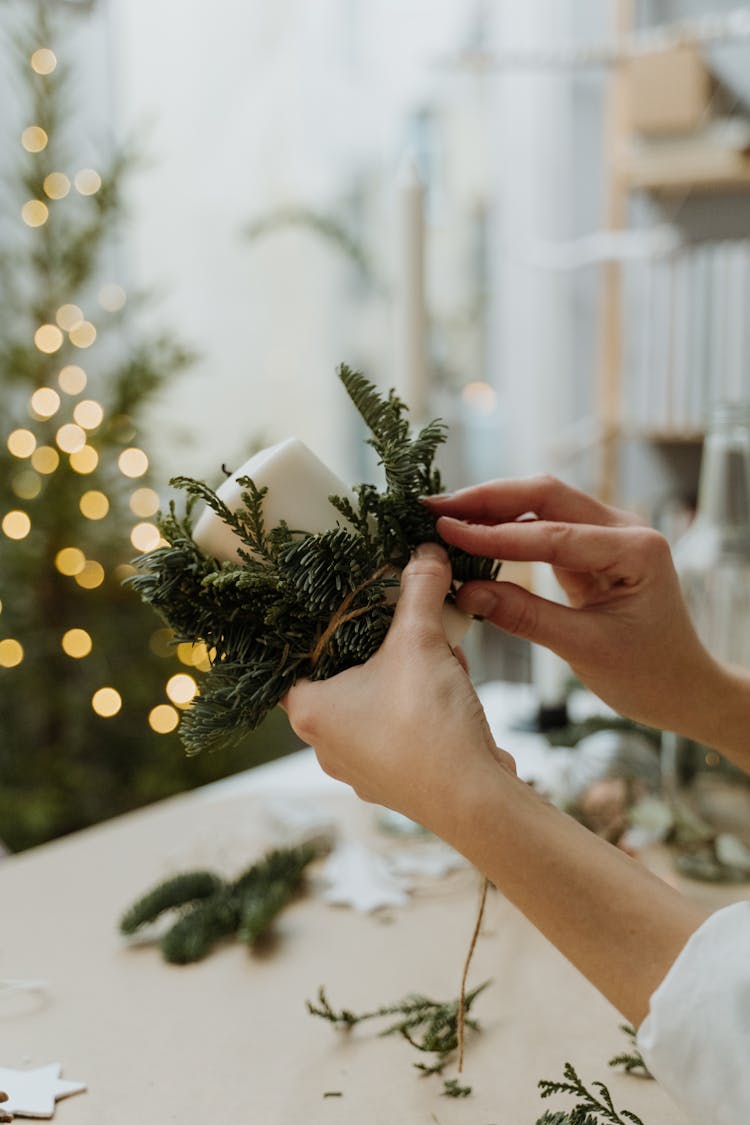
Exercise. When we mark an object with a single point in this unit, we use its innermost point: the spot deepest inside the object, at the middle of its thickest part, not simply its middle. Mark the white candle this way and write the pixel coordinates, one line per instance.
(299, 485)
(411, 318)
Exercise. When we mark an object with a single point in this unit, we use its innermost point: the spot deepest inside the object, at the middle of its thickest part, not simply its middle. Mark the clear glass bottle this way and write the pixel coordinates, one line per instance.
(709, 794)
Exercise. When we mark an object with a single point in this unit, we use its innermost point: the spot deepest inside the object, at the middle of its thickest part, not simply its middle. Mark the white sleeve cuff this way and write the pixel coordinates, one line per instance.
(696, 1037)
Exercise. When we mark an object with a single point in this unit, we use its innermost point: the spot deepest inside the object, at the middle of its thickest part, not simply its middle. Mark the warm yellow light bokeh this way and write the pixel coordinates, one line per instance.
(77, 643)
(70, 561)
(181, 689)
(21, 443)
(72, 379)
(144, 502)
(480, 397)
(145, 537)
(34, 138)
(123, 571)
(45, 402)
(45, 459)
(43, 60)
(48, 338)
(88, 414)
(35, 213)
(194, 655)
(112, 297)
(106, 702)
(83, 335)
(84, 460)
(56, 185)
(94, 505)
(132, 462)
(91, 576)
(163, 719)
(87, 181)
(70, 438)
(16, 524)
(27, 484)
(11, 653)
(68, 316)
(161, 643)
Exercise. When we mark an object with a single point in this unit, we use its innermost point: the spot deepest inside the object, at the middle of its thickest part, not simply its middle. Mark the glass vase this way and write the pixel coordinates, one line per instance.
(710, 797)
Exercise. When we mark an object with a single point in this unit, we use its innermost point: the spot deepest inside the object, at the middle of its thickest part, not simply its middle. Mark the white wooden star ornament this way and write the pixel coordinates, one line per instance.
(359, 877)
(33, 1092)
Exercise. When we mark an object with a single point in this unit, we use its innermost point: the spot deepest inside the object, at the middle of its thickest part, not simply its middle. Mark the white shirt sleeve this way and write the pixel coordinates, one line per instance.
(696, 1037)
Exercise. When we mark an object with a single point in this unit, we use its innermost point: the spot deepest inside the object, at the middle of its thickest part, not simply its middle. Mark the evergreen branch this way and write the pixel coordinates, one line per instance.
(591, 1109)
(211, 909)
(632, 1062)
(574, 1118)
(193, 936)
(453, 1089)
(175, 892)
(430, 1026)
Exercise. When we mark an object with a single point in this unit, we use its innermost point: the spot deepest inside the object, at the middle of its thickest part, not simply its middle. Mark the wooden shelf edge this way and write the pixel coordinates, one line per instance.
(704, 180)
(663, 437)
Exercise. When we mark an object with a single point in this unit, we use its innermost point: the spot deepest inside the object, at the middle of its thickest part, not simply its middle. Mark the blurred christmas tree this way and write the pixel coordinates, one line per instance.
(89, 693)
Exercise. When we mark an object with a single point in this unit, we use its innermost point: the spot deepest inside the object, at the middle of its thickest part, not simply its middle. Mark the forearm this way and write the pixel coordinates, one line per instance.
(716, 712)
(615, 921)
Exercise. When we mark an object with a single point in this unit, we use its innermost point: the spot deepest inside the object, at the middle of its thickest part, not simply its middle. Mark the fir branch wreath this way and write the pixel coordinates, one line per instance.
(297, 604)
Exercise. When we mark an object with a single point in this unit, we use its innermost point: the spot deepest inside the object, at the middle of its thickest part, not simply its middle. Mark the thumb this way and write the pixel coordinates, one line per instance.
(425, 581)
(524, 614)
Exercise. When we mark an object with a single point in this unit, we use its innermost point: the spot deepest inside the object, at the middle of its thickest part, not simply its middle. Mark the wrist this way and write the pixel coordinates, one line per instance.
(718, 713)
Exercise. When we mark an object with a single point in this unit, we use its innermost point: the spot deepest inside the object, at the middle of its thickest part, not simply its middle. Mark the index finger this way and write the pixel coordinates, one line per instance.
(580, 547)
(544, 496)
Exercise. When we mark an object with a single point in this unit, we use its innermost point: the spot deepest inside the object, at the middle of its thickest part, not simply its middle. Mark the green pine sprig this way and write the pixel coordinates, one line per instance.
(297, 604)
(592, 1108)
(430, 1026)
(211, 909)
(631, 1061)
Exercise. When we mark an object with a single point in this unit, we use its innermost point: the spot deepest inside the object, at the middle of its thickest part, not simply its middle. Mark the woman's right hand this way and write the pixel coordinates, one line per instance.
(626, 632)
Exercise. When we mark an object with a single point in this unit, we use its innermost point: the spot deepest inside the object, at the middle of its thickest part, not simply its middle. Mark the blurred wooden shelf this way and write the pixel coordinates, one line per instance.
(730, 174)
(664, 436)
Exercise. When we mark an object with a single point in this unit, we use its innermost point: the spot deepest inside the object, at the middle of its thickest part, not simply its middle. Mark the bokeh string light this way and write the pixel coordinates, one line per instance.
(43, 61)
(106, 702)
(72, 379)
(70, 435)
(77, 643)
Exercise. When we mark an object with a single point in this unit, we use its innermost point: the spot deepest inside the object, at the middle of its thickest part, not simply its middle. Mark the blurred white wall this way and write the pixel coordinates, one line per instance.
(244, 108)
(543, 171)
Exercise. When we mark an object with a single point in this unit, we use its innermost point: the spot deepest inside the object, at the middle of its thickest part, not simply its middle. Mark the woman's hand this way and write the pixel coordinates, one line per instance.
(406, 729)
(627, 633)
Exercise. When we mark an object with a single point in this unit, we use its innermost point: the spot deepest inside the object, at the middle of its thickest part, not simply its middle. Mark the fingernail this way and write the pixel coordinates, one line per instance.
(479, 602)
(429, 551)
(436, 499)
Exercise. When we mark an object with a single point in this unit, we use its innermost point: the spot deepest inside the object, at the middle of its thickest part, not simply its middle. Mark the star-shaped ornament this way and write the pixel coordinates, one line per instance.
(33, 1093)
(359, 877)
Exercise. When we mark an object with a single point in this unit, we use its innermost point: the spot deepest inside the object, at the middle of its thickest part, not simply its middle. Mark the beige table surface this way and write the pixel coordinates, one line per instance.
(229, 1039)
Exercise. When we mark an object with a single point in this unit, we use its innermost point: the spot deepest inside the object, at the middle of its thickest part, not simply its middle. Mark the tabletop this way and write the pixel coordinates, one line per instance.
(229, 1038)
